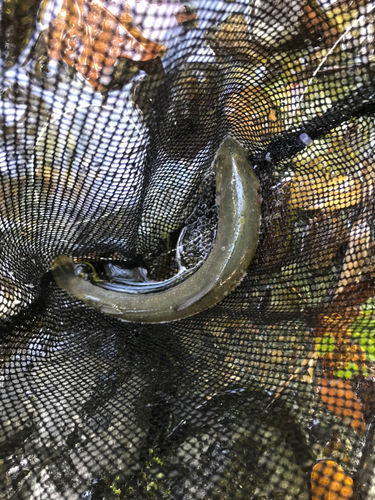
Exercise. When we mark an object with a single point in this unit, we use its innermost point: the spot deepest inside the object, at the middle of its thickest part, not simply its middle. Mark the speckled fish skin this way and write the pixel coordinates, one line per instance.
(236, 242)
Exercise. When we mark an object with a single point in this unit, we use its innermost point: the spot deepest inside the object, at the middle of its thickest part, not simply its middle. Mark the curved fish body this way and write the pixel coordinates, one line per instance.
(237, 237)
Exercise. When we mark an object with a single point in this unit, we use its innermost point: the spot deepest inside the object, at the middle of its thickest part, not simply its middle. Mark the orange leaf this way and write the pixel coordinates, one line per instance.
(341, 400)
(88, 37)
(329, 482)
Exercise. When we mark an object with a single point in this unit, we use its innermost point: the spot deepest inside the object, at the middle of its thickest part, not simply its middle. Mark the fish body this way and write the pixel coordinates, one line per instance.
(237, 195)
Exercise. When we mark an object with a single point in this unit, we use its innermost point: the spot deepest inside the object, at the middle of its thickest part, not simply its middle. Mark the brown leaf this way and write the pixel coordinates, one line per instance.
(277, 222)
(329, 482)
(307, 367)
(344, 308)
(341, 400)
(336, 323)
(185, 15)
(326, 233)
(252, 114)
(329, 192)
(347, 303)
(88, 37)
(358, 259)
(317, 22)
(232, 36)
(365, 388)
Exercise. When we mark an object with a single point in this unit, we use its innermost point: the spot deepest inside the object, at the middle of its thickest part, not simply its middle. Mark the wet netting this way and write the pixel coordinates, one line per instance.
(133, 137)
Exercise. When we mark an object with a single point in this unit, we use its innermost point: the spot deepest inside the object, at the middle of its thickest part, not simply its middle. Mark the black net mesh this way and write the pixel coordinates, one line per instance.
(111, 116)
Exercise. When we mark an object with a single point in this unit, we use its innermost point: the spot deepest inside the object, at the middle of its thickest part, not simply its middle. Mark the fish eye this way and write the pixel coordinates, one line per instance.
(85, 270)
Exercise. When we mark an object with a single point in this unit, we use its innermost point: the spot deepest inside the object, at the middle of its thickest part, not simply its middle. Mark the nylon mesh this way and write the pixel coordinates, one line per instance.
(111, 116)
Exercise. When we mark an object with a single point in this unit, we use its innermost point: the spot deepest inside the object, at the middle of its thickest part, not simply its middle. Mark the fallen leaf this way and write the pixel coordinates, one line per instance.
(329, 482)
(233, 37)
(88, 37)
(358, 259)
(342, 401)
(330, 192)
(343, 310)
(277, 222)
(340, 356)
(343, 358)
(307, 368)
(185, 15)
(366, 392)
(325, 234)
(318, 23)
(252, 115)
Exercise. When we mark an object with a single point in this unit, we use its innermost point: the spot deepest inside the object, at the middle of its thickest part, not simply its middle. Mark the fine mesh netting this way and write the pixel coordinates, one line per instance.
(111, 114)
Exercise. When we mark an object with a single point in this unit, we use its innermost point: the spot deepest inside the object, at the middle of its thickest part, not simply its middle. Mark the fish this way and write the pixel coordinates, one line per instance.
(239, 202)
